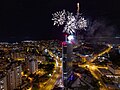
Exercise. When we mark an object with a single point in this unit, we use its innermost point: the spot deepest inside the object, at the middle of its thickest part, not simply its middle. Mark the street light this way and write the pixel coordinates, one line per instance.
(50, 75)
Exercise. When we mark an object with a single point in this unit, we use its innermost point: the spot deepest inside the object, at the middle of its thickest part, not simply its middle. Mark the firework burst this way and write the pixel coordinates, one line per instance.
(59, 18)
(81, 23)
(71, 22)
(70, 26)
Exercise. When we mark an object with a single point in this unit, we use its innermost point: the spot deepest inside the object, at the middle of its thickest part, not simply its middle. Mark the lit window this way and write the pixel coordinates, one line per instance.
(17, 67)
(1, 86)
(1, 81)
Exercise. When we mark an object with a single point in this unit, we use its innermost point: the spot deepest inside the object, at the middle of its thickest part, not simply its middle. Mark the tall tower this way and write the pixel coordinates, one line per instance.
(78, 7)
(81, 30)
(77, 31)
(67, 49)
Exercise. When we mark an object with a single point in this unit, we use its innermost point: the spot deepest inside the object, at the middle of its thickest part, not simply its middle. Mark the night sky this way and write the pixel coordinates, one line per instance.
(31, 19)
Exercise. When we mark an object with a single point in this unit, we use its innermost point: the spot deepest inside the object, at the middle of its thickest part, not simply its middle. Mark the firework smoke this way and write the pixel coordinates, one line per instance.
(101, 30)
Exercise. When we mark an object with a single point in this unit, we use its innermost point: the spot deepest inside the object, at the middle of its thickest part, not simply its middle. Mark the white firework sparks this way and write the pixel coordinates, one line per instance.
(59, 18)
(70, 26)
(72, 23)
(81, 23)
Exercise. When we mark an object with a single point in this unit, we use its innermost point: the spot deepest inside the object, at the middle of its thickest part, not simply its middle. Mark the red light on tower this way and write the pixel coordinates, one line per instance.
(64, 43)
(66, 35)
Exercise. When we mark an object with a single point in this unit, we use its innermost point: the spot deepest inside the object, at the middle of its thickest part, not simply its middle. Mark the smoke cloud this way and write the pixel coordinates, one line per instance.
(102, 30)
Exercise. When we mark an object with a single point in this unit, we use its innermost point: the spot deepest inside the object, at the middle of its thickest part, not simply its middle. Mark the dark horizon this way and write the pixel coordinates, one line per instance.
(28, 19)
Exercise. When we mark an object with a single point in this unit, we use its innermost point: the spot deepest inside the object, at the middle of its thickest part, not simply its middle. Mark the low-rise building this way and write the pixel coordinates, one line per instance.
(114, 69)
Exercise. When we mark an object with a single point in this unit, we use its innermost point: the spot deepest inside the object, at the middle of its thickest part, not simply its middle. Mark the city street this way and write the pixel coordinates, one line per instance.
(56, 74)
(94, 68)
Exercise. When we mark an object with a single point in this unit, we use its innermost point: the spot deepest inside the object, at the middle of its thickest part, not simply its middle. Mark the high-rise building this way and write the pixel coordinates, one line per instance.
(3, 81)
(31, 64)
(66, 62)
(13, 72)
(10, 79)
(17, 71)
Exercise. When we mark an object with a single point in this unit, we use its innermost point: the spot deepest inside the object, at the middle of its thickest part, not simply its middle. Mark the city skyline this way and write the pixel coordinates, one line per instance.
(60, 44)
(46, 65)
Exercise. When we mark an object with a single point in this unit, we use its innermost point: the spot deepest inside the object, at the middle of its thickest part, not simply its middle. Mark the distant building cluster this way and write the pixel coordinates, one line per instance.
(10, 76)
(21, 59)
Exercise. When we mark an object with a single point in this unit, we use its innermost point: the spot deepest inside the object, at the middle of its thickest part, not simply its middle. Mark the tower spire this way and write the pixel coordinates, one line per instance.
(78, 7)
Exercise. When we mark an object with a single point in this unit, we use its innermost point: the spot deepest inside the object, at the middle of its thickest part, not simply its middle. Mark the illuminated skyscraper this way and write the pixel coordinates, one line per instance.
(66, 62)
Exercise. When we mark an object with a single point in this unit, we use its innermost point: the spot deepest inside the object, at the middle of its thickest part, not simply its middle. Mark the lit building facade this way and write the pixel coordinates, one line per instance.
(14, 76)
(31, 64)
(3, 81)
(18, 79)
(66, 62)
(18, 55)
